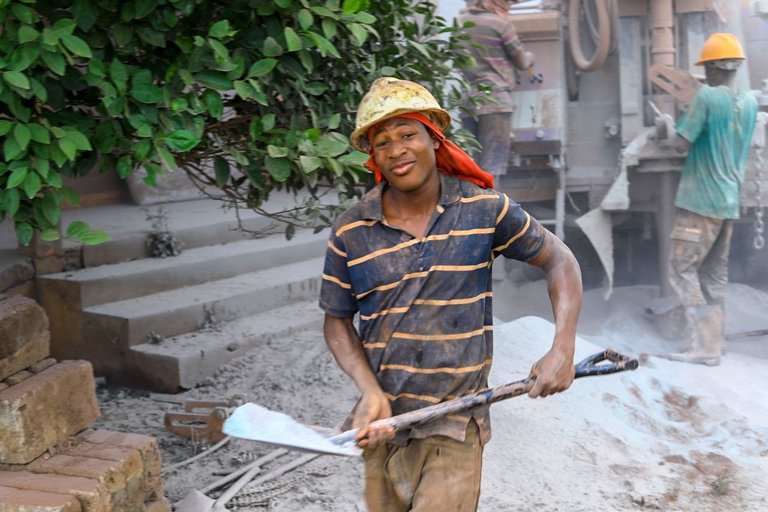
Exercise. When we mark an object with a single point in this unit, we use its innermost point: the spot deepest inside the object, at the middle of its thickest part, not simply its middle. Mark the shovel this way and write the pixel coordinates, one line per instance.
(256, 423)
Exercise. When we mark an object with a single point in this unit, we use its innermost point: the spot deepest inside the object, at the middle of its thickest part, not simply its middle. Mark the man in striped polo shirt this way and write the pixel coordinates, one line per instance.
(498, 52)
(413, 258)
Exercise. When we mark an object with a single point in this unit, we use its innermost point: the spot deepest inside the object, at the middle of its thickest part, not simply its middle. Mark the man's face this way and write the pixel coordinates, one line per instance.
(405, 153)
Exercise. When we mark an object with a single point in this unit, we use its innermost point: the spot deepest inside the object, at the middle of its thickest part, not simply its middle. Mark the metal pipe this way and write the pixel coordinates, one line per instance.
(663, 52)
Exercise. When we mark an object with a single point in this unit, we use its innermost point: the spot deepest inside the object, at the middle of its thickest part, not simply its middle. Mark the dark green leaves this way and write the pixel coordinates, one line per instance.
(181, 140)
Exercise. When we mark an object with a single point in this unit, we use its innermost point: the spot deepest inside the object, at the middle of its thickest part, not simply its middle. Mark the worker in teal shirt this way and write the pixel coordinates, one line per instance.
(716, 130)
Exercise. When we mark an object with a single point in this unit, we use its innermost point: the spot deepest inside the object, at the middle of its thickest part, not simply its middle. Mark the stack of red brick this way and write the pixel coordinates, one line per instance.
(49, 459)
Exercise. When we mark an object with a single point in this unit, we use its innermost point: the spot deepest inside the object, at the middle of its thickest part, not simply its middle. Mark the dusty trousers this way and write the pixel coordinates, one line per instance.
(699, 275)
(492, 131)
(699, 261)
(427, 475)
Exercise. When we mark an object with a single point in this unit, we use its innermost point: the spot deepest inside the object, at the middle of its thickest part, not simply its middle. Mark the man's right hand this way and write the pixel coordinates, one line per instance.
(373, 405)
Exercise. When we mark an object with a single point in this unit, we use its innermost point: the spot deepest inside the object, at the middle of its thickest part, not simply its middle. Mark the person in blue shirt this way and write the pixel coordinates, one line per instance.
(716, 130)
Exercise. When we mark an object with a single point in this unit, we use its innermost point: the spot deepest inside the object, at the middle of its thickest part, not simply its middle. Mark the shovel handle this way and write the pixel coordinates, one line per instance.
(589, 366)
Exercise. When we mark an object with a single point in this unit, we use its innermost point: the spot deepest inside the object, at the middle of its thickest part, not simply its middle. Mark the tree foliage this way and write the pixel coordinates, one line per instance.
(246, 96)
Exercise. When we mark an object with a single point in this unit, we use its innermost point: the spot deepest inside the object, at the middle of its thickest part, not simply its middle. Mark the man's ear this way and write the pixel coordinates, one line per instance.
(436, 144)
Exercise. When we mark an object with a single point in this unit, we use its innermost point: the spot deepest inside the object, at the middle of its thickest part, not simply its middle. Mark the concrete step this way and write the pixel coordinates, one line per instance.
(185, 361)
(133, 321)
(119, 281)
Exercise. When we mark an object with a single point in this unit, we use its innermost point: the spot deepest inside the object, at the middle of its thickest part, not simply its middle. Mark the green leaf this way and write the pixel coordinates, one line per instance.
(364, 17)
(214, 80)
(23, 13)
(278, 168)
(77, 46)
(81, 141)
(76, 229)
(86, 14)
(27, 34)
(24, 232)
(268, 122)
(359, 32)
(219, 29)
(324, 45)
(323, 11)
(166, 157)
(125, 166)
(306, 19)
(277, 151)
(55, 62)
(64, 27)
(272, 48)
(352, 6)
(94, 237)
(43, 167)
(117, 71)
(141, 149)
(32, 185)
(17, 177)
(221, 167)
(11, 149)
(12, 201)
(181, 140)
(146, 93)
(334, 121)
(5, 126)
(354, 158)
(329, 28)
(70, 196)
(213, 103)
(309, 163)
(38, 90)
(50, 235)
(16, 79)
(316, 88)
(150, 36)
(144, 7)
(332, 144)
(244, 90)
(262, 67)
(292, 39)
(68, 147)
(22, 134)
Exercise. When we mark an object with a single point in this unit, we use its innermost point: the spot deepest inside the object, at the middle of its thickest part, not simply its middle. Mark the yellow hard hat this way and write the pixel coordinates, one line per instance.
(721, 46)
(389, 97)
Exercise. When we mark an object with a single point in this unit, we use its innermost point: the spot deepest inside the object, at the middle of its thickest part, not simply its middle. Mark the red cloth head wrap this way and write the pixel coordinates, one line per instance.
(450, 158)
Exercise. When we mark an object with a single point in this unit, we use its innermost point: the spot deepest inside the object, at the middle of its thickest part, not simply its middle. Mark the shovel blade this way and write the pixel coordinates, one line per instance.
(195, 501)
(257, 423)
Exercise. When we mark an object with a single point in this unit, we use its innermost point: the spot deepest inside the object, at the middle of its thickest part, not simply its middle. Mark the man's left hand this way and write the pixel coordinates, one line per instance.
(554, 373)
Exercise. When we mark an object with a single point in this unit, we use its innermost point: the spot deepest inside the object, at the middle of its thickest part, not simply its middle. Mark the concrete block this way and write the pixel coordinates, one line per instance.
(93, 497)
(35, 349)
(18, 377)
(21, 318)
(147, 448)
(162, 505)
(22, 321)
(17, 500)
(44, 409)
(42, 365)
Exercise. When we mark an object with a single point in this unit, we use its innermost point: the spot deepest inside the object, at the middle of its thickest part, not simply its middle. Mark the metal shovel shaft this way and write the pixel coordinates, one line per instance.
(585, 368)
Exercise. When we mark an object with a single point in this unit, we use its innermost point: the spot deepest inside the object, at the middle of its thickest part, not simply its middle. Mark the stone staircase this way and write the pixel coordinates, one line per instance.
(166, 324)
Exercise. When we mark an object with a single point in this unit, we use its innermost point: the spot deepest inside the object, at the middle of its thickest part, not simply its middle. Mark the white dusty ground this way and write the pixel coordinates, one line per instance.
(668, 436)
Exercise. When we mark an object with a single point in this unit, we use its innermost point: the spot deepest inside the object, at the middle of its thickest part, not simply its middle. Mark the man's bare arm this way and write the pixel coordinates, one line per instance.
(554, 372)
(344, 343)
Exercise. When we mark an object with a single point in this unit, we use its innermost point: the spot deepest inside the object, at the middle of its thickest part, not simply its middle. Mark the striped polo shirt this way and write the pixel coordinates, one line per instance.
(425, 304)
(496, 48)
